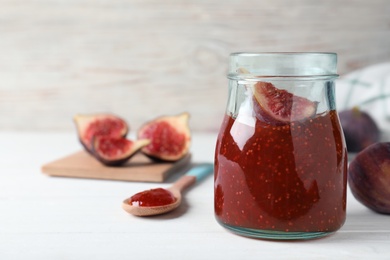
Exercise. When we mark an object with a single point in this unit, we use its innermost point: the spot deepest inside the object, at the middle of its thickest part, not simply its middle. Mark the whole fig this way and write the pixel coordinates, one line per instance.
(369, 177)
(360, 129)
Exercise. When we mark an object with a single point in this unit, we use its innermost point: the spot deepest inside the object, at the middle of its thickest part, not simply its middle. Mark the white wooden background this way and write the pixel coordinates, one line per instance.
(144, 58)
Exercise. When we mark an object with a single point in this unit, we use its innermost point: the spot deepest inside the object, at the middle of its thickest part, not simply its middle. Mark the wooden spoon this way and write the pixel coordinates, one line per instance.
(195, 174)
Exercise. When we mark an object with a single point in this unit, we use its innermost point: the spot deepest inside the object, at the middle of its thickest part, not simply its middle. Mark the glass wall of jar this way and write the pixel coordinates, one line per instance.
(280, 159)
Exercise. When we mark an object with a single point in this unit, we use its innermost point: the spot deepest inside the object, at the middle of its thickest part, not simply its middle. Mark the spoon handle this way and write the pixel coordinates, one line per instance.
(195, 174)
(201, 171)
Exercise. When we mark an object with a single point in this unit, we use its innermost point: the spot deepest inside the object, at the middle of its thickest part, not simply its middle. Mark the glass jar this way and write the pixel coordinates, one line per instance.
(281, 159)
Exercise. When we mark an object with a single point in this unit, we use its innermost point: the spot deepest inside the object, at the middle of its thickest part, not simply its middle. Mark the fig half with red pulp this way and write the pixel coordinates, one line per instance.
(369, 177)
(90, 126)
(360, 129)
(278, 106)
(115, 151)
(170, 137)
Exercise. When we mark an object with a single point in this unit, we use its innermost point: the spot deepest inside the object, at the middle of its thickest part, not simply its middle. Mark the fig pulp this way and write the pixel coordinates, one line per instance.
(278, 106)
(169, 135)
(90, 126)
(360, 129)
(369, 177)
(115, 151)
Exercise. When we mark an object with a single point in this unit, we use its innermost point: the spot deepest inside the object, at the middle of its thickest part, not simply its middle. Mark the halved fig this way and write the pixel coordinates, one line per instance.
(90, 126)
(170, 137)
(115, 151)
(278, 106)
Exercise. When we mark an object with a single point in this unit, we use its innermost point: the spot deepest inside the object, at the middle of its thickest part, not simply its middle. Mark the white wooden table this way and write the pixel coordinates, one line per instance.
(45, 217)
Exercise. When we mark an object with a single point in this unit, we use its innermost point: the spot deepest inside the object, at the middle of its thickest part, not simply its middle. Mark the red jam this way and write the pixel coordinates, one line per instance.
(152, 198)
(282, 178)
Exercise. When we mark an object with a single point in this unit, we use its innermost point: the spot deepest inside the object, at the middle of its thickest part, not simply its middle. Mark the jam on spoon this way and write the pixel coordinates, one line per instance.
(152, 198)
(158, 201)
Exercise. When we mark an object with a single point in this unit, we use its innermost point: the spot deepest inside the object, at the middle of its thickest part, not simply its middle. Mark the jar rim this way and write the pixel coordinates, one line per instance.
(282, 64)
(281, 53)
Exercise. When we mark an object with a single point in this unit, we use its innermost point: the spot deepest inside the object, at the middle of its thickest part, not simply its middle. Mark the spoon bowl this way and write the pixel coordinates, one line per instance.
(195, 174)
(152, 210)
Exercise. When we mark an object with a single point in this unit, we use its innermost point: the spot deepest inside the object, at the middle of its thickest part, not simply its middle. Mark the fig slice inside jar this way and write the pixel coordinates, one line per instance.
(278, 106)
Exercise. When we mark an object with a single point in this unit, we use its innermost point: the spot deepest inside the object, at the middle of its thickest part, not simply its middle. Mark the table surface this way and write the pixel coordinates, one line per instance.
(44, 217)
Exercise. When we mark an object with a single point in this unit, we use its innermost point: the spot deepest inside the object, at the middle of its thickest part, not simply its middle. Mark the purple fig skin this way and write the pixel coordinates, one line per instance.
(360, 130)
(369, 177)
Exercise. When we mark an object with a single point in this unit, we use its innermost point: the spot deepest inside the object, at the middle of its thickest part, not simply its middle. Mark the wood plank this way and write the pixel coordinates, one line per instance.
(144, 58)
(138, 168)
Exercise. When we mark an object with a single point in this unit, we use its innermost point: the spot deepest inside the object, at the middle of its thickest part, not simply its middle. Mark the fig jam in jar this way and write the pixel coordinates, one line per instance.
(280, 159)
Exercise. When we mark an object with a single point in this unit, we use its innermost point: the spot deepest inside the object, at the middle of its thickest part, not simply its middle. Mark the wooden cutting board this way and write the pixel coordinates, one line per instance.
(139, 168)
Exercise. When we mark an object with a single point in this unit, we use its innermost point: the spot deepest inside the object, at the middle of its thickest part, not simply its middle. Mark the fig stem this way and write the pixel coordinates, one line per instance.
(356, 111)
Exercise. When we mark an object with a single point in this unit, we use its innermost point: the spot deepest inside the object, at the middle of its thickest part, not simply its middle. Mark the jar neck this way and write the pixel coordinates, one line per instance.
(283, 66)
(255, 78)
